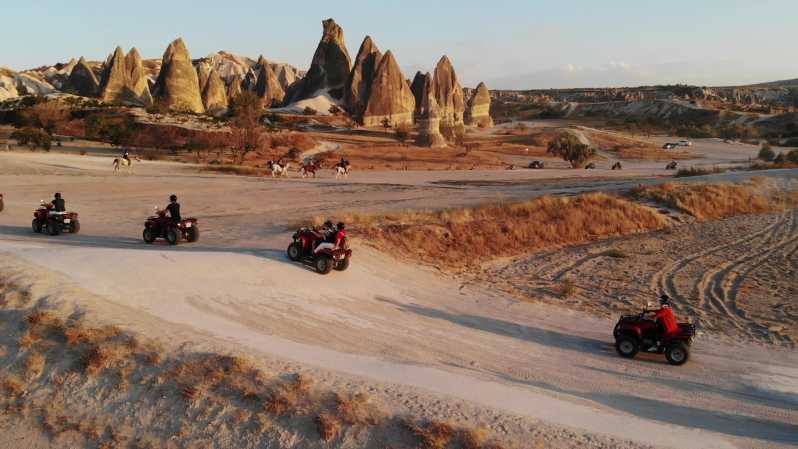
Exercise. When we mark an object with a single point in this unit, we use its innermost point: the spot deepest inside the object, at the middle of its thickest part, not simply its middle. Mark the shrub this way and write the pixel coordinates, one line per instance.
(334, 109)
(766, 153)
(403, 132)
(792, 156)
(779, 159)
(696, 171)
(309, 111)
(568, 147)
(566, 289)
(32, 137)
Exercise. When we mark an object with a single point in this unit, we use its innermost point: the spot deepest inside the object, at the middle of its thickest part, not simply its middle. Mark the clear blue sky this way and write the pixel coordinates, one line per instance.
(530, 43)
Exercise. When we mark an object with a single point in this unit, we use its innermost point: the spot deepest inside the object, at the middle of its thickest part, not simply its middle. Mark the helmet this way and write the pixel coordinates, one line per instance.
(172, 197)
(58, 194)
(328, 224)
(341, 226)
(665, 300)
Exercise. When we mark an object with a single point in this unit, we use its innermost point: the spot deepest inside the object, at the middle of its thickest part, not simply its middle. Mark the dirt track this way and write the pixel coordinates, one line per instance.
(426, 343)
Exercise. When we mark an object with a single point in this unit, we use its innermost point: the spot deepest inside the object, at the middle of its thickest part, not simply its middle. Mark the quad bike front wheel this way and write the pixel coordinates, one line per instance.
(343, 264)
(677, 354)
(148, 235)
(323, 264)
(171, 237)
(627, 346)
(37, 227)
(53, 228)
(294, 251)
(192, 234)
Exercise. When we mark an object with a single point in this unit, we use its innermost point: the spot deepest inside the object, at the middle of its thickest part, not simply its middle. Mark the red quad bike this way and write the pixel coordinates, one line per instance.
(305, 241)
(45, 219)
(635, 333)
(159, 225)
(1, 202)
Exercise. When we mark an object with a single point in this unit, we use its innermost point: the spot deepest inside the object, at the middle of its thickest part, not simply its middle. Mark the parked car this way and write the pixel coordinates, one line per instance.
(684, 143)
(669, 146)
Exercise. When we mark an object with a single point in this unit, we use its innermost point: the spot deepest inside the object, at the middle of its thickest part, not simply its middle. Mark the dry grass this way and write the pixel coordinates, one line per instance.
(328, 426)
(242, 170)
(211, 394)
(715, 201)
(462, 238)
(566, 289)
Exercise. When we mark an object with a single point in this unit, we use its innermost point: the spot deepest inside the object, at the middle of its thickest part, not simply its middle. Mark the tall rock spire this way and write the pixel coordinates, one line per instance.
(178, 85)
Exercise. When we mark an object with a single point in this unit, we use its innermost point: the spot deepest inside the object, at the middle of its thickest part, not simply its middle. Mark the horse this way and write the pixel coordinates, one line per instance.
(308, 168)
(277, 169)
(120, 162)
(617, 166)
(342, 169)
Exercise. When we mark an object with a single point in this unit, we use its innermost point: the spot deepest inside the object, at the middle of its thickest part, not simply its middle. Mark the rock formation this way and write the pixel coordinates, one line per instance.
(390, 96)
(358, 85)
(478, 109)
(178, 86)
(124, 79)
(214, 97)
(234, 89)
(137, 81)
(250, 80)
(448, 93)
(82, 80)
(203, 73)
(417, 87)
(286, 77)
(267, 87)
(329, 69)
(429, 117)
(113, 87)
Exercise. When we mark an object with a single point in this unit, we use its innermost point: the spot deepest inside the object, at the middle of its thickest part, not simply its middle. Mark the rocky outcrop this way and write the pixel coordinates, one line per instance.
(234, 89)
(214, 97)
(358, 85)
(124, 79)
(113, 86)
(448, 93)
(137, 81)
(82, 80)
(390, 96)
(478, 108)
(203, 73)
(428, 113)
(178, 86)
(417, 87)
(250, 80)
(329, 69)
(267, 87)
(286, 75)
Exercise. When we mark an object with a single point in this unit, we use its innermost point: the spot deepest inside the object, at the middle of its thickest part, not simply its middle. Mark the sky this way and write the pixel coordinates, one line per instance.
(509, 44)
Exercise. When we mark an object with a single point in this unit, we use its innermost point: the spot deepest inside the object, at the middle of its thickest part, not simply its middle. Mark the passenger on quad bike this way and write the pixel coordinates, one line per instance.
(173, 208)
(666, 317)
(334, 238)
(59, 205)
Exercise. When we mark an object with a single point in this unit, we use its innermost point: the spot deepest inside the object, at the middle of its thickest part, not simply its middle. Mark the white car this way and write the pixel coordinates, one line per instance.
(684, 143)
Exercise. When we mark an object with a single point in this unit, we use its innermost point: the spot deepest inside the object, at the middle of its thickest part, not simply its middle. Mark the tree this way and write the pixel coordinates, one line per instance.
(309, 111)
(402, 132)
(32, 137)
(114, 129)
(568, 147)
(386, 123)
(245, 131)
(780, 159)
(766, 153)
(334, 109)
(47, 115)
(792, 156)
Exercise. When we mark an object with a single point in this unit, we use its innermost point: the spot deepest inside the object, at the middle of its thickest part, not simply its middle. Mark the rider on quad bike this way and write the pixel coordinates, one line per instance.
(334, 239)
(655, 331)
(59, 205)
(173, 208)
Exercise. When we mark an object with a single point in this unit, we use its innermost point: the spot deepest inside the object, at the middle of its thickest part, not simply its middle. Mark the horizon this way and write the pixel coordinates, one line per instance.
(587, 46)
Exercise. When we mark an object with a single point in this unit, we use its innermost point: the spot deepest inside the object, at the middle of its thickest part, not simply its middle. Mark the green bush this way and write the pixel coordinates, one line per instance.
(766, 153)
(32, 137)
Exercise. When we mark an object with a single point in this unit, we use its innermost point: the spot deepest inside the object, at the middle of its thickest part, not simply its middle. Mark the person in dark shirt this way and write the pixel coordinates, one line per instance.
(173, 208)
(59, 205)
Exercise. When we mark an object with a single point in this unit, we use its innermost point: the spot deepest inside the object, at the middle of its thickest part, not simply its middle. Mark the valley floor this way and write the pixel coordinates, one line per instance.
(417, 340)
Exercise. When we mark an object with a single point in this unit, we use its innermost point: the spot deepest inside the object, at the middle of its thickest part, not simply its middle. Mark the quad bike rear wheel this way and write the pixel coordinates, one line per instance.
(627, 346)
(342, 265)
(323, 264)
(148, 235)
(677, 354)
(37, 227)
(53, 228)
(192, 234)
(294, 251)
(171, 237)
(74, 226)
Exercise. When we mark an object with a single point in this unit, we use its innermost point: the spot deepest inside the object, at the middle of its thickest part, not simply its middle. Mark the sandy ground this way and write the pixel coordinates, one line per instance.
(424, 342)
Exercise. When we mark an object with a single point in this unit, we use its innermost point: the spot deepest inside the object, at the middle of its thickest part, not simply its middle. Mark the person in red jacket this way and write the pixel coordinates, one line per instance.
(340, 235)
(665, 316)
